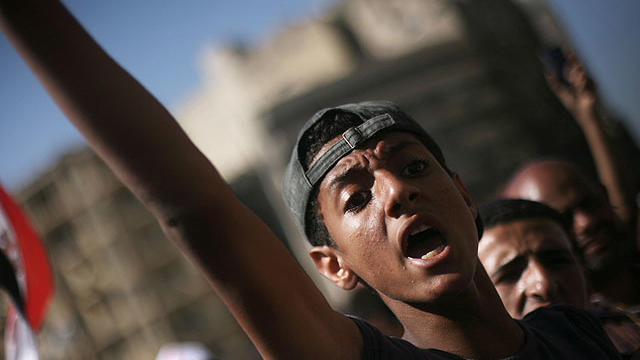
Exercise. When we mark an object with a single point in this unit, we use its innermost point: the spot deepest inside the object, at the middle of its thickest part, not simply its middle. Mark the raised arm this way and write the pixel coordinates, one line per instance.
(580, 97)
(263, 286)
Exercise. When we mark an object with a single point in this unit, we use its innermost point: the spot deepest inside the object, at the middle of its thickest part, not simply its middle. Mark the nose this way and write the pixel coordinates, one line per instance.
(582, 221)
(539, 286)
(400, 195)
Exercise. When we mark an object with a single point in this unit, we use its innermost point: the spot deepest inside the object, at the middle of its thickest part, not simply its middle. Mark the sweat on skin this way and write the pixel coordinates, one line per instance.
(446, 301)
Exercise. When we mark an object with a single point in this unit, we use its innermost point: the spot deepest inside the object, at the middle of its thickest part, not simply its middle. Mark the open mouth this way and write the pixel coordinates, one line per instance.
(424, 243)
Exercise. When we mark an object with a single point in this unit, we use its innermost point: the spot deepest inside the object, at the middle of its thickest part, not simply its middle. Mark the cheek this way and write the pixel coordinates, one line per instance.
(364, 243)
(505, 292)
(362, 233)
(369, 222)
(508, 297)
(348, 232)
(575, 283)
(455, 207)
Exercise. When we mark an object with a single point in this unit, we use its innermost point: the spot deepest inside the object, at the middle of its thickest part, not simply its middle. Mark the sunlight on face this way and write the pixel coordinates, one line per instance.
(378, 197)
(531, 264)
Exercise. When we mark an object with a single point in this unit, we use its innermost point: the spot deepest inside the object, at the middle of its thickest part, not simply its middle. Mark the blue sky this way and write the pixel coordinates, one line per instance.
(159, 43)
(607, 37)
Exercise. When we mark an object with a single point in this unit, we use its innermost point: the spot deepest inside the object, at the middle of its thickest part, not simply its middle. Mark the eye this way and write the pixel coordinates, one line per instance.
(508, 277)
(510, 273)
(414, 168)
(556, 259)
(357, 201)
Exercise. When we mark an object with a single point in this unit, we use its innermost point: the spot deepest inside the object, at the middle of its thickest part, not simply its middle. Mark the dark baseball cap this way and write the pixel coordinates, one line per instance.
(377, 117)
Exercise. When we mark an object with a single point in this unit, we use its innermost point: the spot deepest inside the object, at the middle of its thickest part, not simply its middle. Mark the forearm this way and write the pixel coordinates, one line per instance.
(122, 121)
(609, 170)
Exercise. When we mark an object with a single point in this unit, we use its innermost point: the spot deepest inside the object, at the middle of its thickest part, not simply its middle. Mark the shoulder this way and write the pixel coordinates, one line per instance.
(377, 346)
(619, 324)
(566, 328)
(565, 318)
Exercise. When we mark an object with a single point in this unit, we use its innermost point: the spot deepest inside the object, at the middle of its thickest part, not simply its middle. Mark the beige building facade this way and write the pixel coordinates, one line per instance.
(123, 290)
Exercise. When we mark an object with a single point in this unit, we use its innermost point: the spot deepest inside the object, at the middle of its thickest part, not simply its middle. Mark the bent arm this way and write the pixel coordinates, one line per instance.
(263, 286)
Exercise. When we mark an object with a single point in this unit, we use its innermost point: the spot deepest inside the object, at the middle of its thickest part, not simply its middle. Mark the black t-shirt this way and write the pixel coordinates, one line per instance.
(556, 332)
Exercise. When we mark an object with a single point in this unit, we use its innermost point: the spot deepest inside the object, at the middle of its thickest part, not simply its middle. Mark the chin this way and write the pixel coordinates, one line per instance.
(452, 287)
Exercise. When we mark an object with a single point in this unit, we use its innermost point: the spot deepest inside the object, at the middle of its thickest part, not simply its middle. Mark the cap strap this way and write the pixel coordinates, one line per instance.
(351, 138)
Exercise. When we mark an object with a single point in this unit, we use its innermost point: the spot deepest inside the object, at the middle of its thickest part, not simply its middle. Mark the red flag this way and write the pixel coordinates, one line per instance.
(27, 254)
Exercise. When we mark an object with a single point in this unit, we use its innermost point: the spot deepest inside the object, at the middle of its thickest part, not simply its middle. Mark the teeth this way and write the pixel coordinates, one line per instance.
(421, 228)
(433, 253)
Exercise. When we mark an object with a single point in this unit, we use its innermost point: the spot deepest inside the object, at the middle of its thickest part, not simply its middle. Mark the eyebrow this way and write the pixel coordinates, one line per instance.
(403, 144)
(343, 177)
(554, 252)
(520, 257)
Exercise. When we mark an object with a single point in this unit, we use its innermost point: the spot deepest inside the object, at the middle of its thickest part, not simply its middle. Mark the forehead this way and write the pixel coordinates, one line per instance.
(521, 236)
(558, 187)
(380, 146)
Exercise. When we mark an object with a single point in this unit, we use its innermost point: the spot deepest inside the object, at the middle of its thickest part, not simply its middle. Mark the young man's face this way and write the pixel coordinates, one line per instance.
(532, 265)
(399, 220)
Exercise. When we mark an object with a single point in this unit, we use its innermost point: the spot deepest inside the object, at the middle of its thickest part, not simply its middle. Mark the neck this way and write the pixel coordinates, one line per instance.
(472, 324)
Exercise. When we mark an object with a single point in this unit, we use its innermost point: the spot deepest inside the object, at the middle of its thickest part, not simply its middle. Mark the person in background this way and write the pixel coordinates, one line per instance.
(577, 91)
(603, 213)
(527, 249)
(367, 185)
(602, 238)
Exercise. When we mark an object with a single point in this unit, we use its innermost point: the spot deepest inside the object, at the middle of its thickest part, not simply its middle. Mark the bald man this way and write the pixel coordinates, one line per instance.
(605, 242)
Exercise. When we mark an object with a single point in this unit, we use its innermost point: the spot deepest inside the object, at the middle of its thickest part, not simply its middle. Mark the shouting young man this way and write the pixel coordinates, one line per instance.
(366, 183)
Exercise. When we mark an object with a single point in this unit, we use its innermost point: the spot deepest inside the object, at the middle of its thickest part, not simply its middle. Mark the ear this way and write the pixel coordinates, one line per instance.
(465, 194)
(330, 264)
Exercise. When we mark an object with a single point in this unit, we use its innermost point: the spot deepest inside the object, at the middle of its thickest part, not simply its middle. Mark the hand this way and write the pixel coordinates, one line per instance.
(579, 96)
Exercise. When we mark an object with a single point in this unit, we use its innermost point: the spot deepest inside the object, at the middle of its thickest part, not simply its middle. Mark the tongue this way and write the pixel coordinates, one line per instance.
(423, 243)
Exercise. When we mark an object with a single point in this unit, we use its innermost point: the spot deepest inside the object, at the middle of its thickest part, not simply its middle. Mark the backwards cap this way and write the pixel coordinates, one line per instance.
(377, 117)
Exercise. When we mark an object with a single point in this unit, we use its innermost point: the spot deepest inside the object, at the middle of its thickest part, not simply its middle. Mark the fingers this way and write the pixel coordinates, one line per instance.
(577, 75)
(562, 91)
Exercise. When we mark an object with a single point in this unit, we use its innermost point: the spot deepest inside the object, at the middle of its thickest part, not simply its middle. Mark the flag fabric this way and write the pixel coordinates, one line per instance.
(9, 281)
(20, 244)
(19, 341)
